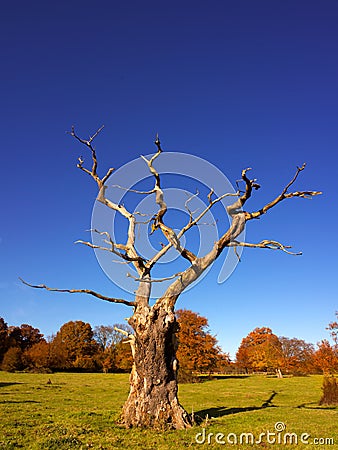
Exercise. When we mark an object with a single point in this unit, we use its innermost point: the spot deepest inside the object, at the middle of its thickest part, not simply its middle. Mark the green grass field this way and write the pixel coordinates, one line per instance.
(79, 411)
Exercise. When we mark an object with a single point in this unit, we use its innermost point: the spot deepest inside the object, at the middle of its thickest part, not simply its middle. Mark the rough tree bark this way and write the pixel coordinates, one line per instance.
(152, 400)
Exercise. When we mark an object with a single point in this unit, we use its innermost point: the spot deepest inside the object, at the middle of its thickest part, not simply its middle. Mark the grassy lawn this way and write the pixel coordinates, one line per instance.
(79, 411)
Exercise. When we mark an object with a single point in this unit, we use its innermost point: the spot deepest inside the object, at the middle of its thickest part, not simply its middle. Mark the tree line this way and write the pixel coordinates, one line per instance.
(262, 351)
(79, 347)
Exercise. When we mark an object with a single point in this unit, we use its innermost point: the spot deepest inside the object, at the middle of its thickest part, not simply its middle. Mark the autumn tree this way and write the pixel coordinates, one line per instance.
(24, 336)
(295, 355)
(104, 336)
(198, 349)
(3, 338)
(152, 399)
(259, 351)
(12, 360)
(330, 391)
(38, 357)
(112, 354)
(74, 346)
(326, 357)
(333, 328)
(108, 336)
(123, 357)
(224, 363)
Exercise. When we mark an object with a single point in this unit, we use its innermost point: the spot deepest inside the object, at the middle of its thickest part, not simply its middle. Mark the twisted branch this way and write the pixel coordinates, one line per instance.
(236, 207)
(272, 245)
(167, 231)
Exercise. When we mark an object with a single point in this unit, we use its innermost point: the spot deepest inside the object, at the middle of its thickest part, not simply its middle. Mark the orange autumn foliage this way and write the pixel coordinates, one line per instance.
(198, 350)
(326, 357)
(259, 351)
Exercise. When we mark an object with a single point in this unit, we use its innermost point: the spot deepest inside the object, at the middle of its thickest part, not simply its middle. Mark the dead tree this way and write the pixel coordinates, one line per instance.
(153, 400)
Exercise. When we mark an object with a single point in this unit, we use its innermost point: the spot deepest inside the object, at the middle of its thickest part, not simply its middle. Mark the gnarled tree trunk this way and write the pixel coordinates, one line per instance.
(152, 400)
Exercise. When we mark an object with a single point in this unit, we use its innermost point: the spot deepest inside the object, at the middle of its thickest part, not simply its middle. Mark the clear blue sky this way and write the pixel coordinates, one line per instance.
(245, 83)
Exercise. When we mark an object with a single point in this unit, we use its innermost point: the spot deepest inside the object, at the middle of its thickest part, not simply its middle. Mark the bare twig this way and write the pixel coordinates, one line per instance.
(88, 143)
(210, 196)
(191, 213)
(105, 178)
(158, 143)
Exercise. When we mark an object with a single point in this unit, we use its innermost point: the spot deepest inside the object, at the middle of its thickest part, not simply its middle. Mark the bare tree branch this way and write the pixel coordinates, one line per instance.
(155, 280)
(272, 245)
(111, 250)
(88, 143)
(239, 219)
(191, 213)
(203, 213)
(131, 339)
(113, 247)
(135, 191)
(131, 252)
(126, 258)
(249, 185)
(189, 225)
(105, 178)
(167, 231)
(124, 332)
(80, 291)
(282, 196)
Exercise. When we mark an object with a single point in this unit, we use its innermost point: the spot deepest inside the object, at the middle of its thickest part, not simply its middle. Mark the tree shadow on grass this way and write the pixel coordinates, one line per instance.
(15, 401)
(8, 384)
(316, 406)
(224, 411)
